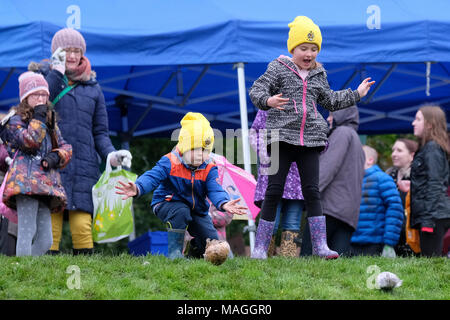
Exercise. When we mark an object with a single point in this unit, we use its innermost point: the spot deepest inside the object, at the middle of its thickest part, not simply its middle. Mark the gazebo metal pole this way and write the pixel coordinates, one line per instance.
(245, 141)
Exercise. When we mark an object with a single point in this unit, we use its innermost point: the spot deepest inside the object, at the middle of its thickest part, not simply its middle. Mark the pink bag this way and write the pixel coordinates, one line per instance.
(6, 211)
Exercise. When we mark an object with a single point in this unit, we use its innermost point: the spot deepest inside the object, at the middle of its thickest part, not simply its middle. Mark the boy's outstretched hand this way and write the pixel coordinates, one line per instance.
(364, 87)
(233, 208)
(128, 189)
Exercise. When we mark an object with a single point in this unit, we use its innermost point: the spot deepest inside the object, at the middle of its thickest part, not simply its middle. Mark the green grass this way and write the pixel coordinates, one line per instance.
(155, 277)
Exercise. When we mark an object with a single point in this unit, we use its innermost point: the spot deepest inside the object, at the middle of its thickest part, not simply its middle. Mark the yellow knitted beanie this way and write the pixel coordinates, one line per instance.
(302, 30)
(195, 132)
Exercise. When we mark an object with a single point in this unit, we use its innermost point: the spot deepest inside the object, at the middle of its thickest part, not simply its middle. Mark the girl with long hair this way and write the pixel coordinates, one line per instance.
(430, 205)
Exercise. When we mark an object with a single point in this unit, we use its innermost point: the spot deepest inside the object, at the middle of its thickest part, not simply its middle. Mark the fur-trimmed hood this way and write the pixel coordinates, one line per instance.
(44, 67)
(83, 121)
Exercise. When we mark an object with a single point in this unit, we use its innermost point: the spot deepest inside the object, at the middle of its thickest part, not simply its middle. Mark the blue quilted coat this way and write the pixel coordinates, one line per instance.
(83, 121)
(174, 181)
(381, 210)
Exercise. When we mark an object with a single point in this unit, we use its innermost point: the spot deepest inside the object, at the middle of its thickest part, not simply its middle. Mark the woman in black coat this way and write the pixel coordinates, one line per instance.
(430, 205)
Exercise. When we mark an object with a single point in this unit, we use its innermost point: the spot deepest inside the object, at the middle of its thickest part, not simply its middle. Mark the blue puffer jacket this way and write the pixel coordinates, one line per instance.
(83, 121)
(381, 210)
(174, 181)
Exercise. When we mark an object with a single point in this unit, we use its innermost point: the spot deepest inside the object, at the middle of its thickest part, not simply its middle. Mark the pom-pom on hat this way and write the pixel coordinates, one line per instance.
(68, 38)
(30, 82)
(195, 132)
(302, 30)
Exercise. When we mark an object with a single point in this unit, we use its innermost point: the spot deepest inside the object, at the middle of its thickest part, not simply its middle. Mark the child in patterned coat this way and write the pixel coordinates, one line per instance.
(33, 186)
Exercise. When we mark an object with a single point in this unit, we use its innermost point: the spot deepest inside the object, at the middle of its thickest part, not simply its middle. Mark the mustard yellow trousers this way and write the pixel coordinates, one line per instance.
(80, 228)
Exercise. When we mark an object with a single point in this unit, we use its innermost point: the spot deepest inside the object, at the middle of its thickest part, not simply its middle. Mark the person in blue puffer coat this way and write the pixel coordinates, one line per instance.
(381, 212)
(83, 121)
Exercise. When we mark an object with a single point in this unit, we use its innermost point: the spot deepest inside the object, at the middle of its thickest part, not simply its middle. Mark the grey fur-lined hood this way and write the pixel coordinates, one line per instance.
(44, 68)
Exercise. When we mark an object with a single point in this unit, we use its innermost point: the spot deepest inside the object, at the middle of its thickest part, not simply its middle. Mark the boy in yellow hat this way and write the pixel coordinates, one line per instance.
(289, 90)
(183, 179)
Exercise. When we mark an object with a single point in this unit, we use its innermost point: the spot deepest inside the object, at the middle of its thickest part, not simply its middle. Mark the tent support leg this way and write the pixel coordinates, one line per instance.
(197, 81)
(150, 104)
(349, 80)
(125, 144)
(245, 141)
(11, 72)
(179, 81)
(380, 83)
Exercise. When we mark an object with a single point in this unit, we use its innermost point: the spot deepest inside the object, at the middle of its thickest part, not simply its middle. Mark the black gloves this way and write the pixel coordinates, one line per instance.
(40, 112)
(50, 161)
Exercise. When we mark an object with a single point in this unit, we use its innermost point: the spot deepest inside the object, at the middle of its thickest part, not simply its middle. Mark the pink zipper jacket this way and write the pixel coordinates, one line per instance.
(299, 123)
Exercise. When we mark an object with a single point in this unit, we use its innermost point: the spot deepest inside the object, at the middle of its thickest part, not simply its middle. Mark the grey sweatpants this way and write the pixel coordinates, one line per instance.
(34, 236)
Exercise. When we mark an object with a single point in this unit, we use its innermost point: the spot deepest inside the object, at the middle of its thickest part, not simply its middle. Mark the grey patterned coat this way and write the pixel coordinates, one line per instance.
(299, 123)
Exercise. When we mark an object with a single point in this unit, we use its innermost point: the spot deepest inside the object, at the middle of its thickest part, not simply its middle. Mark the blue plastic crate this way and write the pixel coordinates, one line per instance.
(141, 245)
(150, 242)
(159, 243)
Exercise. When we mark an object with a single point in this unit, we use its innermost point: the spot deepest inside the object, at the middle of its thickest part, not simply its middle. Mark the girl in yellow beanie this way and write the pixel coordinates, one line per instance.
(183, 179)
(289, 90)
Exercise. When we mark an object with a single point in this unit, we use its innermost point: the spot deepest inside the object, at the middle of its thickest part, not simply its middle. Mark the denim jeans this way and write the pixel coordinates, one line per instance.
(290, 213)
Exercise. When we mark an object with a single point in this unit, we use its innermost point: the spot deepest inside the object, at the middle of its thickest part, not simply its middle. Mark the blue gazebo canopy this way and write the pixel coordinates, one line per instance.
(157, 60)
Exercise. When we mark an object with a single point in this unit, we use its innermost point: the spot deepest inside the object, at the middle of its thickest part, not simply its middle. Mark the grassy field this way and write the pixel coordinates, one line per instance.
(125, 277)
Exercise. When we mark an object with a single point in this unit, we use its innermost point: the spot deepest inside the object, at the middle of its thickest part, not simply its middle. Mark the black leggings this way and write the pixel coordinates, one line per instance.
(307, 160)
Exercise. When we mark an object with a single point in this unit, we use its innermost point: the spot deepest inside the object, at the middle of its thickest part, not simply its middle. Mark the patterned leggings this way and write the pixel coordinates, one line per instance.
(34, 236)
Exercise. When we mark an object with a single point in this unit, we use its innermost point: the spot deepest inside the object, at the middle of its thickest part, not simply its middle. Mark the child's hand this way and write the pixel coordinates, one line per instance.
(128, 189)
(364, 87)
(233, 208)
(277, 101)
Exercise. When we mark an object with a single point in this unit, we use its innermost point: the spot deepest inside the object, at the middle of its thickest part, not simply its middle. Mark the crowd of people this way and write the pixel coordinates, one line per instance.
(55, 138)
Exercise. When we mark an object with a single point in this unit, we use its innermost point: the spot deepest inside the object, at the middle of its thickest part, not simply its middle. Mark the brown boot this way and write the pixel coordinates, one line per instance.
(272, 248)
(288, 247)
